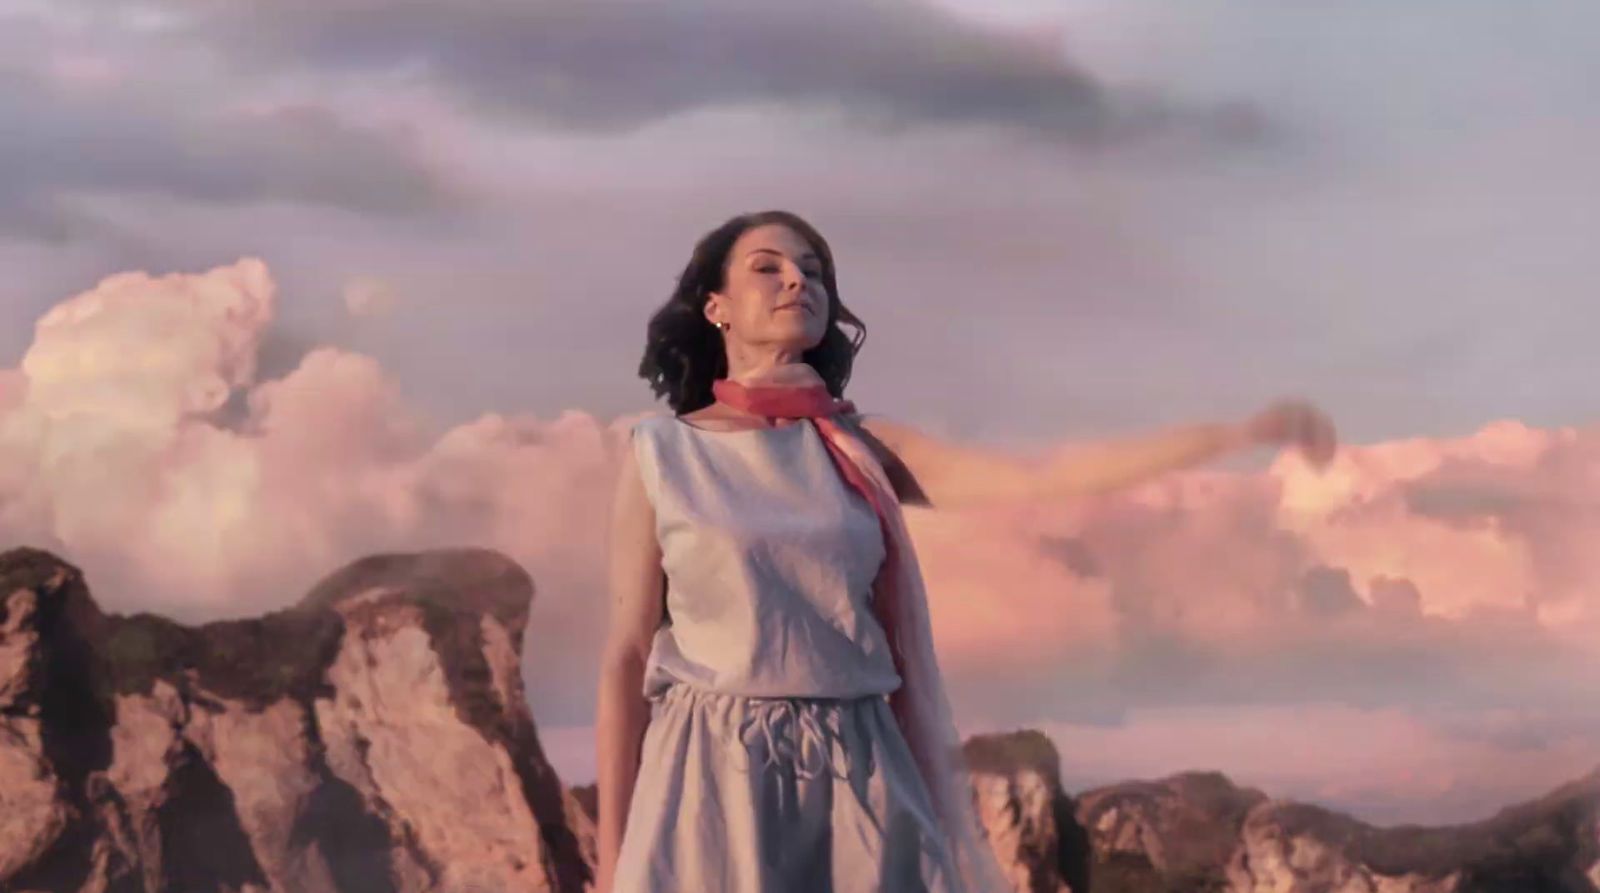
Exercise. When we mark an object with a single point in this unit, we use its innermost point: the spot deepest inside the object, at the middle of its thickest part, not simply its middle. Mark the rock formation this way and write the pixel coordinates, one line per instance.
(375, 737)
(1197, 831)
(1016, 787)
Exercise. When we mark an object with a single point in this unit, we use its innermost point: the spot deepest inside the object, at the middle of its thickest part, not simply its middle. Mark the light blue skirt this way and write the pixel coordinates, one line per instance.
(778, 795)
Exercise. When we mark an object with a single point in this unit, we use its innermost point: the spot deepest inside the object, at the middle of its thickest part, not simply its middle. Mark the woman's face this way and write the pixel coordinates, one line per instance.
(772, 290)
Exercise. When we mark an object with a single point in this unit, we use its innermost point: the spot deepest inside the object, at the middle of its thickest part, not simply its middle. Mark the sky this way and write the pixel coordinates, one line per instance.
(288, 283)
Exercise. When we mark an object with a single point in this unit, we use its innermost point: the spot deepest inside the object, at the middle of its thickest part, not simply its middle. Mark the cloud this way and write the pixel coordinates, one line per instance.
(1182, 607)
(366, 297)
(1520, 500)
(127, 120)
(1438, 591)
(13, 389)
(617, 64)
(137, 440)
(104, 354)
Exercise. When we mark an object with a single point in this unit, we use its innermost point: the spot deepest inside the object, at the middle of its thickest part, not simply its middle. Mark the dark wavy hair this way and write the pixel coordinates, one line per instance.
(683, 351)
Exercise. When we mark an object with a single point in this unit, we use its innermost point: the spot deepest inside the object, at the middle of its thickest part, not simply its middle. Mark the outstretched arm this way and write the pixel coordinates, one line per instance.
(929, 471)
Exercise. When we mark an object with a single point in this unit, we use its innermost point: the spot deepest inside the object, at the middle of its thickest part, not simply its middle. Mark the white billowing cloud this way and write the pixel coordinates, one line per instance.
(118, 458)
(116, 377)
(143, 352)
(1494, 522)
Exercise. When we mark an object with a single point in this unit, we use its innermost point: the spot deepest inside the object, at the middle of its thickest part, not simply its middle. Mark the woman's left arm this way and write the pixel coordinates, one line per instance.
(929, 471)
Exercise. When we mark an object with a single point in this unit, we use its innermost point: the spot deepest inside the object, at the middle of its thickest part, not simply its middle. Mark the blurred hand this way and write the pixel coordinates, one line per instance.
(1295, 423)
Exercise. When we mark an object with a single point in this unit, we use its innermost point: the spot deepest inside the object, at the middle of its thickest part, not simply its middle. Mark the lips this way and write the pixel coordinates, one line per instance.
(793, 306)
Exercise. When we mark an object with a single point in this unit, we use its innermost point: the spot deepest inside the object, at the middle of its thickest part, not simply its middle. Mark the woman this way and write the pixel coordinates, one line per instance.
(770, 715)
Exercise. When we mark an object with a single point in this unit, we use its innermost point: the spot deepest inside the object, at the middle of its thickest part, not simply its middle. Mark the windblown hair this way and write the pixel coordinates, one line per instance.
(684, 352)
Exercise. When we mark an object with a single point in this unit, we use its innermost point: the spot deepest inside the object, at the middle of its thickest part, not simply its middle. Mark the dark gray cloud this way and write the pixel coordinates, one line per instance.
(193, 105)
(611, 64)
(63, 142)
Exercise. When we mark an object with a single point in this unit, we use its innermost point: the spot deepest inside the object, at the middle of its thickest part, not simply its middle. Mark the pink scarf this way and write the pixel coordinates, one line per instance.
(921, 709)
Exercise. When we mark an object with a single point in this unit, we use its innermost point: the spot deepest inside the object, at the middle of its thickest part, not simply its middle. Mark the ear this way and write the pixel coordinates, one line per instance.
(713, 307)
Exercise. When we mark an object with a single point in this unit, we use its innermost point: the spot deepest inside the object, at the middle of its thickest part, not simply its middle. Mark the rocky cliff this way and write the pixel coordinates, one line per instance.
(1197, 831)
(374, 737)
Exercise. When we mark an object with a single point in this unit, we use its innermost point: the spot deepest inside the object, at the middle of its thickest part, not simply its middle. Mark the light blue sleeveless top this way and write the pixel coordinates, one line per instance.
(769, 556)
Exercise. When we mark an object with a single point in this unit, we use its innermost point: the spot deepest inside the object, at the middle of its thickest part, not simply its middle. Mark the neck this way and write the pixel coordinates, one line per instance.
(777, 370)
(745, 366)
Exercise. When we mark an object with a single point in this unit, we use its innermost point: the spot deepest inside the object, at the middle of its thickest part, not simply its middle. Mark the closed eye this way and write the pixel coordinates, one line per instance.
(812, 274)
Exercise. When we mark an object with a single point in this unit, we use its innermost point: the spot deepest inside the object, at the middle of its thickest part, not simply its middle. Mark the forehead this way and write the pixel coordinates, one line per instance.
(772, 237)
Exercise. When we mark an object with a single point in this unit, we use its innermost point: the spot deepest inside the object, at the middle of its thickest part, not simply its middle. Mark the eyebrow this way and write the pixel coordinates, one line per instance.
(810, 254)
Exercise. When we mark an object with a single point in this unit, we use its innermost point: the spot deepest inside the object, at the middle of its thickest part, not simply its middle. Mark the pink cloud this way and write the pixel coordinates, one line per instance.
(115, 412)
(1497, 520)
(13, 389)
(1145, 627)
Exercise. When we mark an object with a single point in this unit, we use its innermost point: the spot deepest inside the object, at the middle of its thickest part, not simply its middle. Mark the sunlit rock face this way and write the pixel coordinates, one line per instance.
(374, 737)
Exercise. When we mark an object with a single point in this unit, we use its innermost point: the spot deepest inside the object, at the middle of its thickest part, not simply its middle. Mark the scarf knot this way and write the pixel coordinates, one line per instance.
(774, 401)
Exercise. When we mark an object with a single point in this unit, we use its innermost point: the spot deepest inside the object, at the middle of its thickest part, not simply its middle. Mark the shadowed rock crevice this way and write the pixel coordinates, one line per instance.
(1074, 857)
(65, 684)
(59, 699)
(542, 788)
(460, 642)
(66, 866)
(115, 859)
(351, 841)
(203, 847)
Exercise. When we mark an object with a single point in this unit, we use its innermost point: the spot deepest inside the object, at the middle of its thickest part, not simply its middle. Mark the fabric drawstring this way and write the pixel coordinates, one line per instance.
(795, 733)
(806, 734)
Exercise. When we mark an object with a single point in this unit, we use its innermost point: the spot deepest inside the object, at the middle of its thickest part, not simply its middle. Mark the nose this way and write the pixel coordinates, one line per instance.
(794, 278)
